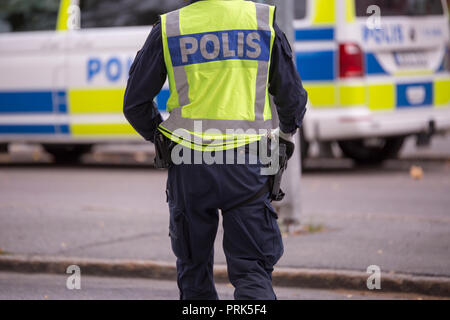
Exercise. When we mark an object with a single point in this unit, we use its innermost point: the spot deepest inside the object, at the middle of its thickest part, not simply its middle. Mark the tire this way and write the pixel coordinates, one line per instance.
(3, 148)
(362, 153)
(67, 153)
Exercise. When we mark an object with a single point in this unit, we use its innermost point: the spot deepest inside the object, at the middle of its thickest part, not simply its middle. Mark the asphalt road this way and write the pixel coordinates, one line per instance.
(14, 286)
(378, 216)
(368, 216)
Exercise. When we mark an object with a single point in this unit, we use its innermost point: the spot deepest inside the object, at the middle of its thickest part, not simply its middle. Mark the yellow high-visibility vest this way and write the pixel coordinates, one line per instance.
(217, 54)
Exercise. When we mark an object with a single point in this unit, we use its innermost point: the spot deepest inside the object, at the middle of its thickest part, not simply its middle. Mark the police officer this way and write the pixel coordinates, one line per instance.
(222, 59)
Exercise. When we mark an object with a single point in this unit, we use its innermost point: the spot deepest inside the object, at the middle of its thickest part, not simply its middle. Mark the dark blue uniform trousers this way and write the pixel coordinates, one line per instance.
(252, 241)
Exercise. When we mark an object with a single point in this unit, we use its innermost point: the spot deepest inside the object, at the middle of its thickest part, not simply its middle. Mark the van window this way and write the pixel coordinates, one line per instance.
(124, 13)
(28, 15)
(300, 9)
(401, 7)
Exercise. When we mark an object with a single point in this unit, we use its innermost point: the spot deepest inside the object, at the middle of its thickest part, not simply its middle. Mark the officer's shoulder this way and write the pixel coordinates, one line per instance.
(156, 30)
(283, 41)
(154, 38)
(157, 24)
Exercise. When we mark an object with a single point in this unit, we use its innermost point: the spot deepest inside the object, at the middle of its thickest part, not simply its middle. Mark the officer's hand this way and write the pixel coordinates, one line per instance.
(287, 139)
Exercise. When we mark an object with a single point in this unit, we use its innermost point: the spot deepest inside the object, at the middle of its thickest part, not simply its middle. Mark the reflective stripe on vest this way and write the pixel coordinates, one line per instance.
(194, 49)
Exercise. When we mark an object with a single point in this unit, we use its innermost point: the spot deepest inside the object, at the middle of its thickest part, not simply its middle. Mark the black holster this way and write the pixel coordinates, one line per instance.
(163, 148)
(276, 194)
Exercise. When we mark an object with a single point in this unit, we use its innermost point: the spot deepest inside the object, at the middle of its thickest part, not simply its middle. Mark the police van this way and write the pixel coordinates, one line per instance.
(376, 71)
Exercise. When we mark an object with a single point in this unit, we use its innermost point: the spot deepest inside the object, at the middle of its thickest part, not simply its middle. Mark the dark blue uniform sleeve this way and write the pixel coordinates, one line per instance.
(147, 76)
(285, 85)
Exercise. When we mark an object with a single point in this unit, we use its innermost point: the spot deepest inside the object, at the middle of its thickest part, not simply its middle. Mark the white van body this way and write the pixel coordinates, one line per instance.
(65, 88)
(400, 88)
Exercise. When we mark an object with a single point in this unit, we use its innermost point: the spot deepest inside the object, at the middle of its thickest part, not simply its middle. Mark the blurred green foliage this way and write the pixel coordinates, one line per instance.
(28, 15)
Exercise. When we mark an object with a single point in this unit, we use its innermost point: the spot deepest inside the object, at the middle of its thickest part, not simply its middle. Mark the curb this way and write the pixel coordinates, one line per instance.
(285, 277)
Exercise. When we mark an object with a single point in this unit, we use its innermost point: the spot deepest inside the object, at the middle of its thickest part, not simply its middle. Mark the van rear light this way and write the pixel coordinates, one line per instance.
(350, 60)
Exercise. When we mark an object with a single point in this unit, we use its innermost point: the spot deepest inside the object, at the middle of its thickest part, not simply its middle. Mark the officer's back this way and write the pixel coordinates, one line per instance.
(222, 59)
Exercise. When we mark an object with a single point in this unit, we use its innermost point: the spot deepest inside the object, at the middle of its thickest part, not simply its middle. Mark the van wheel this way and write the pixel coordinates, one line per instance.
(67, 153)
(372, 151)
